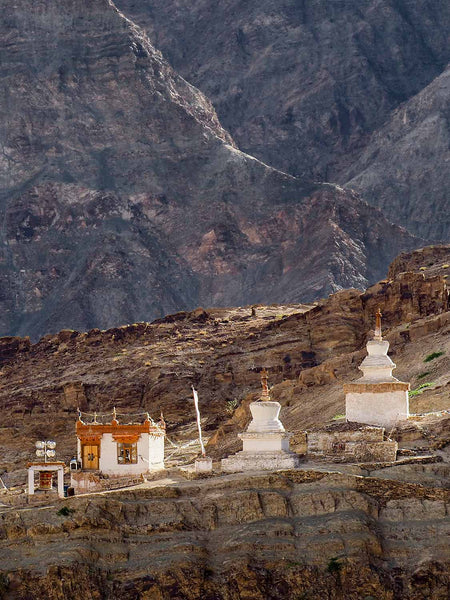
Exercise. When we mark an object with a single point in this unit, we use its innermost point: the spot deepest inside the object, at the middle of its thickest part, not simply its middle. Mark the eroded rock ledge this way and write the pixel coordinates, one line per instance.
(297, 534)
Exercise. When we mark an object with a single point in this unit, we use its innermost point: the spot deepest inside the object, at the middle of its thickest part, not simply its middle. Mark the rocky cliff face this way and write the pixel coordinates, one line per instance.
(123, 198)
(403, 168)
(305, 85)
(307, 535)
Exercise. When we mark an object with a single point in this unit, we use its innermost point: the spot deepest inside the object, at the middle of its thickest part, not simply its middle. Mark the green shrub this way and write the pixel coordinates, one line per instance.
(422, 375)
(422, 387)
(65, 511)
(231, 406)
(334, 566)
(433, 355)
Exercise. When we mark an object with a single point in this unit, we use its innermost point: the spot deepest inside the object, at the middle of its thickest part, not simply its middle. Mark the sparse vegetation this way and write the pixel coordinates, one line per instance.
(65, 511)
(422, 375)
(334, 566)
(4, 585)
(419, 390)
(432, 356)
(337, 417)
(231, 406)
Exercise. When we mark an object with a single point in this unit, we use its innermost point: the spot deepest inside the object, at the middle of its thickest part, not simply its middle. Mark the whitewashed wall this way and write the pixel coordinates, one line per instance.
(150, 452)
(377, 408)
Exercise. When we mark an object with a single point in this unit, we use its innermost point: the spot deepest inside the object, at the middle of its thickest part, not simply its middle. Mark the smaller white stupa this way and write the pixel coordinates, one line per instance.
(266, 442)
(377, 398)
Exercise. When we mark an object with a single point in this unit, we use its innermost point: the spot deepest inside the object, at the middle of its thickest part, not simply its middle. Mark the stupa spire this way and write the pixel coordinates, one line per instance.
(377, 336)
(265, 385)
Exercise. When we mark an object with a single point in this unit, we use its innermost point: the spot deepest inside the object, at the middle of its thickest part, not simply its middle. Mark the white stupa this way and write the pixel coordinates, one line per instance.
(265, 443)
(377, 398)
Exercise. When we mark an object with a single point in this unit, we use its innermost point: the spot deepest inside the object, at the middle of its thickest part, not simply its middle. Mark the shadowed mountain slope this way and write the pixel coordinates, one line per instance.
(404, 169)
(304, 86)
(123, 198)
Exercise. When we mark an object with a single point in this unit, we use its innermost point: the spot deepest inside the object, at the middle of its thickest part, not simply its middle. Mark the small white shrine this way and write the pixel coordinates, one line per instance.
(116, 449)
(266, 442)
(46, 470)
(377, 398)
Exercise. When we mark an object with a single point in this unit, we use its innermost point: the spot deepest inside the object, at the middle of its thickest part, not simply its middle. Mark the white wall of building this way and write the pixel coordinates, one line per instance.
(150, 455)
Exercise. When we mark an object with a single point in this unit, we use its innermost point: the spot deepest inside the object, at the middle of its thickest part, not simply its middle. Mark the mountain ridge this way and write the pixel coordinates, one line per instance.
(125, 199)
(310, 86)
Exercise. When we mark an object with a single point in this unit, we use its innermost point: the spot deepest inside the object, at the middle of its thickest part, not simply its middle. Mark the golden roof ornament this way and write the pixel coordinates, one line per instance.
(377, 336)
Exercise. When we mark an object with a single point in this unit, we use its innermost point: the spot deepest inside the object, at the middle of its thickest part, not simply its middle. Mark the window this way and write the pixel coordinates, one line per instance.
(127, 454)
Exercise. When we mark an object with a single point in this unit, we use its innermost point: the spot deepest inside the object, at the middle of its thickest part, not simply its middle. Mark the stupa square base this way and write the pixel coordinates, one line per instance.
(386, 406)
(261, 461)
(267, 441)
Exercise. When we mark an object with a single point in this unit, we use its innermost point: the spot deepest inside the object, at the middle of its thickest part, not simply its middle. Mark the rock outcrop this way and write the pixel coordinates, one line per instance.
(123, 199)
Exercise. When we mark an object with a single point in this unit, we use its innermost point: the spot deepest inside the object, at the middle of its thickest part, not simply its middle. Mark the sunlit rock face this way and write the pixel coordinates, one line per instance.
(124, 199)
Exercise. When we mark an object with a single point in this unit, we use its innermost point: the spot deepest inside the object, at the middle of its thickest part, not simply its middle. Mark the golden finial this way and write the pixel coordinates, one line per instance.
(377, 335)
(265, 383)
(95, 418)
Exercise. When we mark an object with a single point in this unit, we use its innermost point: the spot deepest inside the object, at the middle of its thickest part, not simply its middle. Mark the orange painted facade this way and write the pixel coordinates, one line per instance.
(91, 433)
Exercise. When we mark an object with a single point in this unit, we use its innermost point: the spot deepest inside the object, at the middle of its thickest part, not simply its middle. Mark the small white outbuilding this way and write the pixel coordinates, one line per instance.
(121, 449)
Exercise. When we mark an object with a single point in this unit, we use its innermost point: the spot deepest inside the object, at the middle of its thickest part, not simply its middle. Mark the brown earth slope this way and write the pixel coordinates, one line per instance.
(310, 352)
(123, 198)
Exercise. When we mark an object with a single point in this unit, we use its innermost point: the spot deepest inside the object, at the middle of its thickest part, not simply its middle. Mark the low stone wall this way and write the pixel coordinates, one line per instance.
(360, 445)
(20, 498)
(371, 451)
(85, 482)
(330, 442)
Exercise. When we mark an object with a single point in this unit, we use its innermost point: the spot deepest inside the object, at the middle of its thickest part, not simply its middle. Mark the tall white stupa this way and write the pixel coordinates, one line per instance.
(377, 398)
(266, 442)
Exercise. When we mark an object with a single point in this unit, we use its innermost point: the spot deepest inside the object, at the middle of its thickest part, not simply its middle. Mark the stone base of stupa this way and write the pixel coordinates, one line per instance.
(381, 403)
(260, 461)
(262, 451)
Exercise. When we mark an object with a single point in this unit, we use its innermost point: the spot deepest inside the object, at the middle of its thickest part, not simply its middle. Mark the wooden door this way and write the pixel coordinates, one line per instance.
(90, 457)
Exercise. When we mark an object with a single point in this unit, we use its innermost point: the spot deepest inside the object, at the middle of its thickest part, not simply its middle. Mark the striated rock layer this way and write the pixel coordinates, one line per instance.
(123, 199)
(303, 534)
